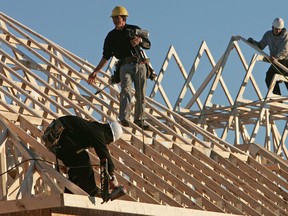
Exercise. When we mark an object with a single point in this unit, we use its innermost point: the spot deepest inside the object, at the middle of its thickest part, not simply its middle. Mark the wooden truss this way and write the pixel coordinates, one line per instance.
(243, 115)
(182, 163)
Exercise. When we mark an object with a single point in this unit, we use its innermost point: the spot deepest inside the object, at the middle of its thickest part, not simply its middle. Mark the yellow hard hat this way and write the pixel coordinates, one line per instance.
(119, 11)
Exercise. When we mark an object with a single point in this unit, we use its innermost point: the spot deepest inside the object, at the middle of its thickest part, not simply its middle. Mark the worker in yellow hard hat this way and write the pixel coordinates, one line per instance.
(125, 42)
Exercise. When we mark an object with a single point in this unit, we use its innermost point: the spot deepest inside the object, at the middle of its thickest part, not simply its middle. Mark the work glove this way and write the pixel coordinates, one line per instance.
(114, 79)
(113, 182)
(250, 40)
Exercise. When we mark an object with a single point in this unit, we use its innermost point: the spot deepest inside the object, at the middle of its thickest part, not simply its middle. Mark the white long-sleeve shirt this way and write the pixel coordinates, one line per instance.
(278, 45)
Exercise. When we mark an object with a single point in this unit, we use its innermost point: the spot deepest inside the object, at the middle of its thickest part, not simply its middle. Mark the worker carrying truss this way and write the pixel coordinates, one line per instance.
(68, 137)
(277, 41)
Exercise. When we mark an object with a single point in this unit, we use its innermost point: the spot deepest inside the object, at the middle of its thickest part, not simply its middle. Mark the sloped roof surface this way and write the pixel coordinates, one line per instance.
(180, 162)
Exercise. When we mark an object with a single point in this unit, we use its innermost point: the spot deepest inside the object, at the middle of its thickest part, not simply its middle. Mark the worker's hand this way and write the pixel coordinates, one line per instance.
(136, 41)
(250, 40)
(63, 169)
(273, 59)
(92, 77)
(113, 182)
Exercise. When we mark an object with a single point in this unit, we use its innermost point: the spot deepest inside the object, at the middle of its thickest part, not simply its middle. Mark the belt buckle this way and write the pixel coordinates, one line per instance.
(131, 59)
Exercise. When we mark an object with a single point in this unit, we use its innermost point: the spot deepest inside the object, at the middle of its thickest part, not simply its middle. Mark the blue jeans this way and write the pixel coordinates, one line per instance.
(129, 73)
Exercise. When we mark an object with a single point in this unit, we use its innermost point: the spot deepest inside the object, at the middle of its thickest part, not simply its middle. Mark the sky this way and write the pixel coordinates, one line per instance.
(81, 26)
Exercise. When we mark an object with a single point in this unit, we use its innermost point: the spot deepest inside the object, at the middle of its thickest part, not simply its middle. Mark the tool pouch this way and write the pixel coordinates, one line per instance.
(150, 72)
(115, 78)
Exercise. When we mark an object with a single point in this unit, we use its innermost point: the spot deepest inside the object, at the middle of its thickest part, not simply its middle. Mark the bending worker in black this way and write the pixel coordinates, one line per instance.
(125, 45)
(69, 136)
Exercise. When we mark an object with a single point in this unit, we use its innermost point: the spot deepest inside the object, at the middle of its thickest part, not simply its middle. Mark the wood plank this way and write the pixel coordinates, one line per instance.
(3, 164)
(136, 208)
(159, 186)
(23, 205)
(174, 183)
(204, 174)
(224, 177)
(256, 182)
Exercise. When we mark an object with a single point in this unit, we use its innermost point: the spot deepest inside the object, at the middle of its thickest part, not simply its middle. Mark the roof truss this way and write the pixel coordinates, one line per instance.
(181, 162)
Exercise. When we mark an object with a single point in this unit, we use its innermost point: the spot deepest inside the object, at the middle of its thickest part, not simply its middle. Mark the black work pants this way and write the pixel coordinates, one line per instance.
(80, 170)
(270, 74)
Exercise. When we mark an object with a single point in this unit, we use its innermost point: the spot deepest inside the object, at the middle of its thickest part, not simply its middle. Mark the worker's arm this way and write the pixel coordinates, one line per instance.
(103, 153)
(92, 76)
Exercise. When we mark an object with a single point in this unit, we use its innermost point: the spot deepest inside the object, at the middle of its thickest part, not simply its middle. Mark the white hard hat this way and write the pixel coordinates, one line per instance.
(278, 23)
(116, 129)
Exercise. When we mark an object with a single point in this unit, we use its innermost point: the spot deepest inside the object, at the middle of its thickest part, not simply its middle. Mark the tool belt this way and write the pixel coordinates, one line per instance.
(130, 59)
(52, 134)
(133, 59)
(115, 78)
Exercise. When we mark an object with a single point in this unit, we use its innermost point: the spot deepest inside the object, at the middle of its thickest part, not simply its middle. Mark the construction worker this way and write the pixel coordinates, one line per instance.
(277, 41)
(68, 137)
(132, 68)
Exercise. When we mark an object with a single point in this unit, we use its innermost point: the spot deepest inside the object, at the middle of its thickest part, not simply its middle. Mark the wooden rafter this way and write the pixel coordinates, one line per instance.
(181, 164)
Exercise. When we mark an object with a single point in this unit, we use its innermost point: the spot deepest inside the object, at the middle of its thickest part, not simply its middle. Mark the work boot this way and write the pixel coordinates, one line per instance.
(125, 123)
(142, 124)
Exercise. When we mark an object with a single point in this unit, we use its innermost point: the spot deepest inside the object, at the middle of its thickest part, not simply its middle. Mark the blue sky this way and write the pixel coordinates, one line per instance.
(81, 26)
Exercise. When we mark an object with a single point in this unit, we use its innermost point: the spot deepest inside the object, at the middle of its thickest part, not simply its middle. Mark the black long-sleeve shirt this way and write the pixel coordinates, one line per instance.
(81, 134)
(117, 43)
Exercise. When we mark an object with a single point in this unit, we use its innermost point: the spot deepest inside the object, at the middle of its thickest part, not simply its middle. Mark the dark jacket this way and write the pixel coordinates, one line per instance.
(117, 43)
(278, 45)
(80, 134)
